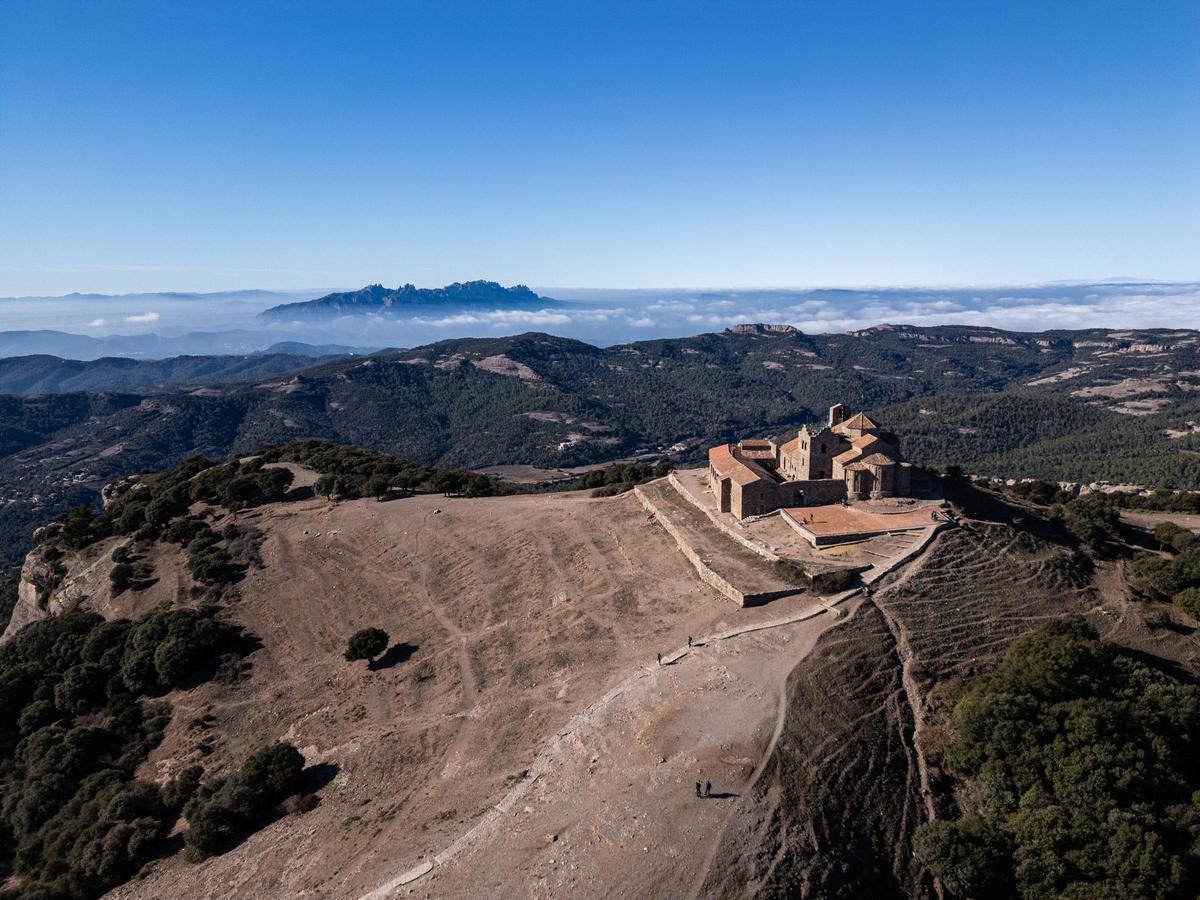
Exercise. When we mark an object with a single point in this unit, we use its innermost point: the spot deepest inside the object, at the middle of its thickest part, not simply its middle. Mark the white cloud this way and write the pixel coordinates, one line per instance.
(98, 323)
(497, 318)
(142, 318)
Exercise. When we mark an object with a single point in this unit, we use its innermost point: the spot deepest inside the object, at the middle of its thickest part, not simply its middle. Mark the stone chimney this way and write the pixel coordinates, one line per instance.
(837, 413)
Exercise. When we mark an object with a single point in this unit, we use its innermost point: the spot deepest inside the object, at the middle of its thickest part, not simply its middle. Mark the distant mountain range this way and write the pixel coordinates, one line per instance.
(153, 346)
(375, 299)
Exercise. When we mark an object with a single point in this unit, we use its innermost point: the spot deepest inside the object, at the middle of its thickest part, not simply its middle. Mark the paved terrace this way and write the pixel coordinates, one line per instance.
(775, 535)
(823, 525)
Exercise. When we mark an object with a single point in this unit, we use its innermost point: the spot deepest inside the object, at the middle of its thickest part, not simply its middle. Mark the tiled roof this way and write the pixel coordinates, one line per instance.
(729, 466)
(878, 459)
(859, 422)
(757, 449)
(867, 446)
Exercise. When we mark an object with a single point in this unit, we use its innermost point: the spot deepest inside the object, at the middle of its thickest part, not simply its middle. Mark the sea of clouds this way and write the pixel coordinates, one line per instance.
(615, 316)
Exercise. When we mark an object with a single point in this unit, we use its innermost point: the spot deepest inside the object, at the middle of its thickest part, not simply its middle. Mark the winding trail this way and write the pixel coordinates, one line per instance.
(541, 763)
(714, 846)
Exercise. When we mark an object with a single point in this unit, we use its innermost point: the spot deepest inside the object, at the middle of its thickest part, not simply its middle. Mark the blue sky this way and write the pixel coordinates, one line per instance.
(211, 146)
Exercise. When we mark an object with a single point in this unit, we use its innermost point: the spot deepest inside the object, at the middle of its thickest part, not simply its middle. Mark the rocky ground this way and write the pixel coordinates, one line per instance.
(511, 616)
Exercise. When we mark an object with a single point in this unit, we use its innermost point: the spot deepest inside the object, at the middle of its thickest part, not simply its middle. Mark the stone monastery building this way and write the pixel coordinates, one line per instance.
(846, 459)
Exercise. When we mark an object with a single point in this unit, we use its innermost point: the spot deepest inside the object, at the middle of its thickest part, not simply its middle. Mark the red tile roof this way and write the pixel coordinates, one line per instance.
(859, 422)
(729, 466)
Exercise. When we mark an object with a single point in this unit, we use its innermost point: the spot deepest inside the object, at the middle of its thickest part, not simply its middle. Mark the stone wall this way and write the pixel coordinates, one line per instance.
(703, 570)
(821, 491)
(762, 497)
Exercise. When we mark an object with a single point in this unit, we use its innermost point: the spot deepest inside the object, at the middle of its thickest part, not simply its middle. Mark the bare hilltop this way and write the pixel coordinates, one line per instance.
(583, 693)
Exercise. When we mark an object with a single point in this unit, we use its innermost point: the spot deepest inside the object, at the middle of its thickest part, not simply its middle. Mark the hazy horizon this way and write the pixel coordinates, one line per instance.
(612, 316)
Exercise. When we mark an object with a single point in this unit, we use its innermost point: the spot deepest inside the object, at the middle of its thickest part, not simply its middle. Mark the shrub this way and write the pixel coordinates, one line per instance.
(74, 822)
(38, 714)
(222, 812)
(1168, 577)
(971, 856)
(376, 486)
(78, 528)
(184, 531)
(366, 644)
(622, 475)
(177, 792)
(1172, 537)
(349, 472)
(1189, 601)
(121, 577)
(262, 486)
(1092, 519)
(1043, 493)
(82, 688)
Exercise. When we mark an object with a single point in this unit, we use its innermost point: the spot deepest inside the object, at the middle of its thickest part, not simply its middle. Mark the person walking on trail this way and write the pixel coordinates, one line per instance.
(660, 659)
(708, 789)
(697, 789)
(689, 642)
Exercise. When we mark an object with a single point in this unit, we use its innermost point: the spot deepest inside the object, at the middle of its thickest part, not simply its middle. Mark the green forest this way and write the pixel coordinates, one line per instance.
(1085, 761)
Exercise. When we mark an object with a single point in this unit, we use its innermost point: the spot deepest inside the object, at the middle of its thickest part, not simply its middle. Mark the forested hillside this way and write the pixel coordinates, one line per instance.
(1084, 406)
(41, 374)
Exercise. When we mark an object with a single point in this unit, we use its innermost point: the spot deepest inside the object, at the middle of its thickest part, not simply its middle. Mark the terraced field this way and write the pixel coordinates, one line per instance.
(984, 586)
(834, 812)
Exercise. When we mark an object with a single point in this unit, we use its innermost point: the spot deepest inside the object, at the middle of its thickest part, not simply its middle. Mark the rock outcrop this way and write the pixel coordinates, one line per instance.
(53, 582)
(763, 328)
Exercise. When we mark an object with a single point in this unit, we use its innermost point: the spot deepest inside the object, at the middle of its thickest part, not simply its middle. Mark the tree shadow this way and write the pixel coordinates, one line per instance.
(317, 776)
(1168, 667)
(299, 493)
(396, 654)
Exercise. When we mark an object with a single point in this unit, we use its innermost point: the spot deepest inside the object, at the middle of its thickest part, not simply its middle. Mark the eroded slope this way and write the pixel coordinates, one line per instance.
(835, 810)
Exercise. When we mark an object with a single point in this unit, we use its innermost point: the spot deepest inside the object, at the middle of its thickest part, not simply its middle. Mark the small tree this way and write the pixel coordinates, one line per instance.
(121, 577)
(1189, 601)
(366, 644)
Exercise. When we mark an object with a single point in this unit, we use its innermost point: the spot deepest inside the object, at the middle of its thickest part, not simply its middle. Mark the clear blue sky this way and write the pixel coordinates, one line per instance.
(210, 145)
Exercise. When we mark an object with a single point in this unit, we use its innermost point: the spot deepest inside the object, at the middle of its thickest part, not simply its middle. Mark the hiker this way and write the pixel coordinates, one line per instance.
(708, 789)
(697, 789)
(660, 659)
(689, 642)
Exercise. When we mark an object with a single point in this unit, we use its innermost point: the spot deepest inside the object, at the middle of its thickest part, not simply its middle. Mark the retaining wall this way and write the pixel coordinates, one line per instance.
(714, 580)
(728, 529)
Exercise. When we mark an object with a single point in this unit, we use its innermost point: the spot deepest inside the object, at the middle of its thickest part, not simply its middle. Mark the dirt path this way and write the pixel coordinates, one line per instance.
(580, 733)
(912, 690)
(460, 640)
(714, 844)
